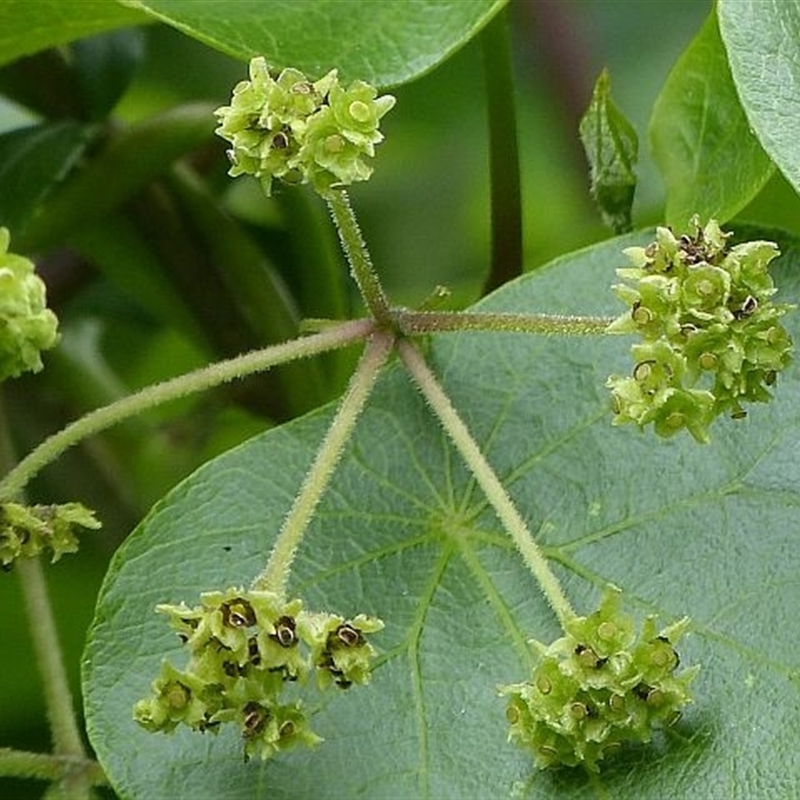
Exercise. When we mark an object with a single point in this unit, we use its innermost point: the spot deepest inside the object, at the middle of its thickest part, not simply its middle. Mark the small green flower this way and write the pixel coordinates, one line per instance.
(27, 531)
(176, 700)
(300, 131)
(27, 326)
(597, 687)
(712, 338)
(340, 650)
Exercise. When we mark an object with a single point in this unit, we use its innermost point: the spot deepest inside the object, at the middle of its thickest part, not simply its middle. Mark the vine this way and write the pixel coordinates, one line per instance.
(710, 340)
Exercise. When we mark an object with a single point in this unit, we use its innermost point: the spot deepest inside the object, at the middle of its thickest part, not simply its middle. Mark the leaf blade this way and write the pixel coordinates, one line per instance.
(761, 39)
(26, 28)
(384, 42)
(711, 162)
(403, 533)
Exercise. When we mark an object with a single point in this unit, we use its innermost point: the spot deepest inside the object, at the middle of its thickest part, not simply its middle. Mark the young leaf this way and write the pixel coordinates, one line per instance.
(404, 533)
(383, 43)
(762, 38)
(711, 162)
(27, 27)
(612, 148)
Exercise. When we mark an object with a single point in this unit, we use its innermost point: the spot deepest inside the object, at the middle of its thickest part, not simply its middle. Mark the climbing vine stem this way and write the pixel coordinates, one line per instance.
(276, 573)
(487, 480)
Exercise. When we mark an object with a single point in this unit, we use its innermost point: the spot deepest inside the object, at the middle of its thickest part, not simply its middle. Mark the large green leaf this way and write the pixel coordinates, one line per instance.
(404, 533)
(385, 42)
(762, 38)
(712, 163)
(27, 26)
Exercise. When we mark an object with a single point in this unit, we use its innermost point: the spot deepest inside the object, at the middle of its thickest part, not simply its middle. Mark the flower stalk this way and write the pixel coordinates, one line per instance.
(488, 481)
(276, 573)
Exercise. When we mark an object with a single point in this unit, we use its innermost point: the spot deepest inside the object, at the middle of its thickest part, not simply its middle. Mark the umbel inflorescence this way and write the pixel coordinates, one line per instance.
(598, 687)
(247, 650)
(711, 337)
(302, 131)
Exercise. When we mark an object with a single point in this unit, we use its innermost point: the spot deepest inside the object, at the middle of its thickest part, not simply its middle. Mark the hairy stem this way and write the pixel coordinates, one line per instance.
(44, 766)
(487, 480)
(199, 380)
(415, 323)
(58, 698)
(506, 196)
(64, 728)
(275, 575)
(357, 254)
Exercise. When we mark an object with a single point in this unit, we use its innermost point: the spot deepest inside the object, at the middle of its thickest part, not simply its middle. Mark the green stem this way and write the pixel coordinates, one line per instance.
(276, 573)
(506, 197)
(357, 254)
(58, 698)
(50, 662)
(487, 480)
(199, 380)
(415, 323)
(47, 767)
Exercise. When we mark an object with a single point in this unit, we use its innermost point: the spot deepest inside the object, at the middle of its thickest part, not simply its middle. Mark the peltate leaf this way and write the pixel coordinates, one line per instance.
(384, 42)
(701, 140)
(612, 148)
(762, 38)
(26, 27)
(403, 532)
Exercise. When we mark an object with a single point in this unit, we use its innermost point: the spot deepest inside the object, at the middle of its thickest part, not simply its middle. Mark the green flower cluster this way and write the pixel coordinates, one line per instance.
(246, 646)
(26, 531)
(598, 687)
(302, 131)
(27, 326)
(711, 337)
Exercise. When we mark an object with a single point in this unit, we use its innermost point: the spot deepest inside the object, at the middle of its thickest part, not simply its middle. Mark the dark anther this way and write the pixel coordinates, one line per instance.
(253, 652)
(231, 669)
(349, 636)
(287, 729)
(238, 613)
(343, 683)
(738, 413)
(642, 691)
(748, 307)
(207, 724)
(285, 634)
(770, 377)
(651, 250)
(588, 657)
(255, 718)
(183, 637)
(643, 370)
(280, 141)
